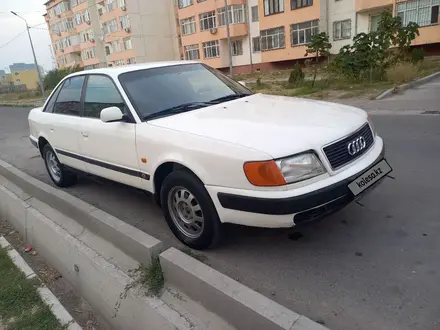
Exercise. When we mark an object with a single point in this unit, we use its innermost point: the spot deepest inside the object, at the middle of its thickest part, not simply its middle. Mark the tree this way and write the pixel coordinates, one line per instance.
(53, 77)
(371, 54)
(319, 46)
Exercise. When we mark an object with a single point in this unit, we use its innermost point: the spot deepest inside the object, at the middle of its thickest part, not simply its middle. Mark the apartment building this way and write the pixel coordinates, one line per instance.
(101, 33)
(273, 33)
(23, 74)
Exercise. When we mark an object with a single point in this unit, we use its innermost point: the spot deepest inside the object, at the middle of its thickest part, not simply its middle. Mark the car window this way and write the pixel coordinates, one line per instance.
(154, 90)
(51, 102)
(101, 93)
(69, 99)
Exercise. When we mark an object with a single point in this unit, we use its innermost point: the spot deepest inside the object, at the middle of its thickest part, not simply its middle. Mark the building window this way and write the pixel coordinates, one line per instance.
(119, 62)
(131, 60)
(295, 4)
(192, 52)
(116, 46)
(78, 19)
(236, 15)
(342, 30)
(188, 25)
(422, 12)
(125, 22)
(272, 38)
(127, 44)
(374, 23)
(211, 49)
(201, 1)
(110, 5)
(302, 33)
(255, 17)
(109, 27)
(237, 47)
(207, 21)
(185, 3)
(121, 3)
(89, 53)
(86, 17)
(256, 47)
(273, 7)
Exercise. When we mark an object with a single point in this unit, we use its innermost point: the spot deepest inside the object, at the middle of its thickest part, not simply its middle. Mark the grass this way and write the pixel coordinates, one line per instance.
(151, 276)
(20, 305)
(330, 87)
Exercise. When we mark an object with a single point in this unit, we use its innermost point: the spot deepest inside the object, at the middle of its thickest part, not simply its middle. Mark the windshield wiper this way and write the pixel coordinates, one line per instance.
(229, 97)
(177, 109)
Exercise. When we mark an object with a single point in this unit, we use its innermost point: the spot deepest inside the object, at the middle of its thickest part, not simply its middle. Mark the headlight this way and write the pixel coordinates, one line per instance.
(300, 167)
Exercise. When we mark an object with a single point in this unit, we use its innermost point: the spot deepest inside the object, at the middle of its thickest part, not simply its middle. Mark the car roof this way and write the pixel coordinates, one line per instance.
(116, 71)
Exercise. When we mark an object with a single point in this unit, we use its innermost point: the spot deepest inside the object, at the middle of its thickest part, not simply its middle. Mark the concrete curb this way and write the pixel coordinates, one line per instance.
(48, 298)
(409, 85)
(92, 249)
(238, 304)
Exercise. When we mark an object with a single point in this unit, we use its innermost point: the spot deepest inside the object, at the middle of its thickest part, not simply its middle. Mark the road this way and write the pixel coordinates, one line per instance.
(370, 267)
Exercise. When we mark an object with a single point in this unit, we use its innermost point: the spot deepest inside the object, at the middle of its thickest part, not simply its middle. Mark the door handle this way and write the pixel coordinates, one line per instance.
(84, 134)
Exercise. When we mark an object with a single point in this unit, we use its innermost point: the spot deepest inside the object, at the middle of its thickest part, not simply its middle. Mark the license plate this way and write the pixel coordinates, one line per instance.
(370, 177)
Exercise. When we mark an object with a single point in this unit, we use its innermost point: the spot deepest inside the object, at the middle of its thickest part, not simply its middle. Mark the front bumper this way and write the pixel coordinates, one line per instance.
(274, 211)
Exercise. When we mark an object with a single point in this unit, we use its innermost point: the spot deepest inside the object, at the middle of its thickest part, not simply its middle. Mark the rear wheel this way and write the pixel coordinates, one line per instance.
(57, 171)
(189, 210)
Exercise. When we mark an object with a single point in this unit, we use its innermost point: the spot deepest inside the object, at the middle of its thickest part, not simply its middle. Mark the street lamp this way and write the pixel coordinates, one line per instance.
(40, 80)
(231, 73)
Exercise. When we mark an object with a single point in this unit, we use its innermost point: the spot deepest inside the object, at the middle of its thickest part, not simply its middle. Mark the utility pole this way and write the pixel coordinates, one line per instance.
(40, 80)
(249, 18)
(229, 38)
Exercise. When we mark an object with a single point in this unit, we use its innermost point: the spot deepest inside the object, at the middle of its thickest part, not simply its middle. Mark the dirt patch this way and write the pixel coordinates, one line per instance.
(77, 306)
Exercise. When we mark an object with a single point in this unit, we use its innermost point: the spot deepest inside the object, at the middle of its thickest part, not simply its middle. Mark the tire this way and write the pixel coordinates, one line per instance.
(63, 177)
(183, 212)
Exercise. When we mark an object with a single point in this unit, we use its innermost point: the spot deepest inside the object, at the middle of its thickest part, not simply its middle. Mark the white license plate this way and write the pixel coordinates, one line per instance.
(370, 177)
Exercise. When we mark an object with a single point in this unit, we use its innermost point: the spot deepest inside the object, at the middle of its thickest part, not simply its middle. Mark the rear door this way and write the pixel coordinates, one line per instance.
(108, 149)
(63, 122)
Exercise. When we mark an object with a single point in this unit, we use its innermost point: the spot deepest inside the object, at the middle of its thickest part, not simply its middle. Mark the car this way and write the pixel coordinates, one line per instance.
(209, 149)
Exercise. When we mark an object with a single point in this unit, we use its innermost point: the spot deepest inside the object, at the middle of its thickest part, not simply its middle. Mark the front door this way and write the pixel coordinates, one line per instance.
(108, 149)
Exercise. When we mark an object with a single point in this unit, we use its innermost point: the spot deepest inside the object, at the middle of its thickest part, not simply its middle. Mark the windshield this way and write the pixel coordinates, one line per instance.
(174, 89)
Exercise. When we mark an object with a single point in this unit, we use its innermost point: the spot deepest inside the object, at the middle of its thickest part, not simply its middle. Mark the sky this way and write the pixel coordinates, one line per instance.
(19, 50)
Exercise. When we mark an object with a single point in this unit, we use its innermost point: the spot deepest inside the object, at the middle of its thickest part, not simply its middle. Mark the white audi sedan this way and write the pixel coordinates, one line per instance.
(209, 149)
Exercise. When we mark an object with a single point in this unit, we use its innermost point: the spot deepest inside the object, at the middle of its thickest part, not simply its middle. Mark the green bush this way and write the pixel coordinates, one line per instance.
(417, 55)
(296, 76)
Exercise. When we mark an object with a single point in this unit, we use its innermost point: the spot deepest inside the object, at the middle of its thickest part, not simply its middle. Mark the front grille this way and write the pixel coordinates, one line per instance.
(337, 153)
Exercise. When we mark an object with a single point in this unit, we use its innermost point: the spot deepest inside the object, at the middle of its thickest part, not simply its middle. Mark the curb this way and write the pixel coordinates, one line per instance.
(21, 105)
(48, 298)
(409, 85)
(95, 252)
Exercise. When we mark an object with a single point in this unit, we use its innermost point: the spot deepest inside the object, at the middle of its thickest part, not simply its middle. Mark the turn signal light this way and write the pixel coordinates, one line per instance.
(264, 174)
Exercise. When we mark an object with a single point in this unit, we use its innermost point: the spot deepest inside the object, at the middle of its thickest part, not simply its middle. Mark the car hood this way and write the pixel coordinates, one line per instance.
(276, 125)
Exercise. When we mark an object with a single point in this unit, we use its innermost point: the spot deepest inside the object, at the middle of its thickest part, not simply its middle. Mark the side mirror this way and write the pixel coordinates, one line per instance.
(111, 115)
(242, 83)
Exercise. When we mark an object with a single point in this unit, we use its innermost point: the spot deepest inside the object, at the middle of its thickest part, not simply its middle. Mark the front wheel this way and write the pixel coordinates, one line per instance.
(57, 172)
(189, 210)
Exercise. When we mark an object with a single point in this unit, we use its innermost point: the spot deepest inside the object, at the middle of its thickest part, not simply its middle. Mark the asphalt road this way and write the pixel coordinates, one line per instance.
(370, 267)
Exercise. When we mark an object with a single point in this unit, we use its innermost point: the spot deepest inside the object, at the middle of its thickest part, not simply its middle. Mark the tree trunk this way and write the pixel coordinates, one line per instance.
(316, 71)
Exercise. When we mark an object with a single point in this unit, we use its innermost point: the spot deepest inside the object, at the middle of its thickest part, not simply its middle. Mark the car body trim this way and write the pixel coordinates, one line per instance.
(112, 167)
(33, 141)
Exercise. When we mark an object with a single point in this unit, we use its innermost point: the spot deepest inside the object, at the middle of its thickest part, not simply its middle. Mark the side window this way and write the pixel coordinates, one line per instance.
(101, 93)
(51, 102)
(69, 99)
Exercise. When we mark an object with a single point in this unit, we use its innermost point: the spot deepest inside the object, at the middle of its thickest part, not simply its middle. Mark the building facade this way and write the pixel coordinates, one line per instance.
(25, 75)
(101, 33)
(272, 33)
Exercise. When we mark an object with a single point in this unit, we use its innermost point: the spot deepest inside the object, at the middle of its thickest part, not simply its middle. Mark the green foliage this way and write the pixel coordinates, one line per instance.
(152, 277)
(319, 46)
(371, 54)
(55, 76)
(402, 73)
(417, 55)
(296, 76)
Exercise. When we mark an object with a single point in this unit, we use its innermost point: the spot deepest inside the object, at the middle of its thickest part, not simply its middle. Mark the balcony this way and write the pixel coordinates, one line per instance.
(236, 30)
(366, 5)
(72, 49)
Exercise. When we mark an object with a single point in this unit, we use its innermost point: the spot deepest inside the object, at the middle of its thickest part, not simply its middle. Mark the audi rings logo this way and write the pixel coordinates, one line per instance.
(356, 146)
